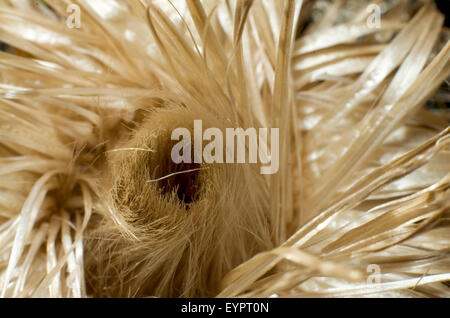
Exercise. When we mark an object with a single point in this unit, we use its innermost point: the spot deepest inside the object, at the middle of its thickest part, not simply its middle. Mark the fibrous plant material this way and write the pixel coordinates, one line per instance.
(93, 205)
(179, 233)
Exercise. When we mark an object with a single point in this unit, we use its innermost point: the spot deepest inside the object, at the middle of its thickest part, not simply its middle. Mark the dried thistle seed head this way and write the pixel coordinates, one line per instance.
(177, 235)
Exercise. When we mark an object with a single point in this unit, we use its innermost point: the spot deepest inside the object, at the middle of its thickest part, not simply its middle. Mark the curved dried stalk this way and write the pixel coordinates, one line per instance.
(85, 122)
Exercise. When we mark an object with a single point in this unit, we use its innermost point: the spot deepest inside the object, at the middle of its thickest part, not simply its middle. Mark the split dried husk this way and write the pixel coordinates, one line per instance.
(91, 204)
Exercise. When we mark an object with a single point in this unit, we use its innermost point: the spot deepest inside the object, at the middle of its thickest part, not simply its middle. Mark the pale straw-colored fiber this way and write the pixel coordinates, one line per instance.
(91, 204)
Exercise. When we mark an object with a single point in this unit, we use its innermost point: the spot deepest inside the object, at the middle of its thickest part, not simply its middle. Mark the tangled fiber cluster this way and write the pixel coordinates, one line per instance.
(91, 203)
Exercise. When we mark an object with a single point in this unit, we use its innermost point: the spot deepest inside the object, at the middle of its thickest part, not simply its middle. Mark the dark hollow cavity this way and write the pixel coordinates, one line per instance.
(184, 181)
